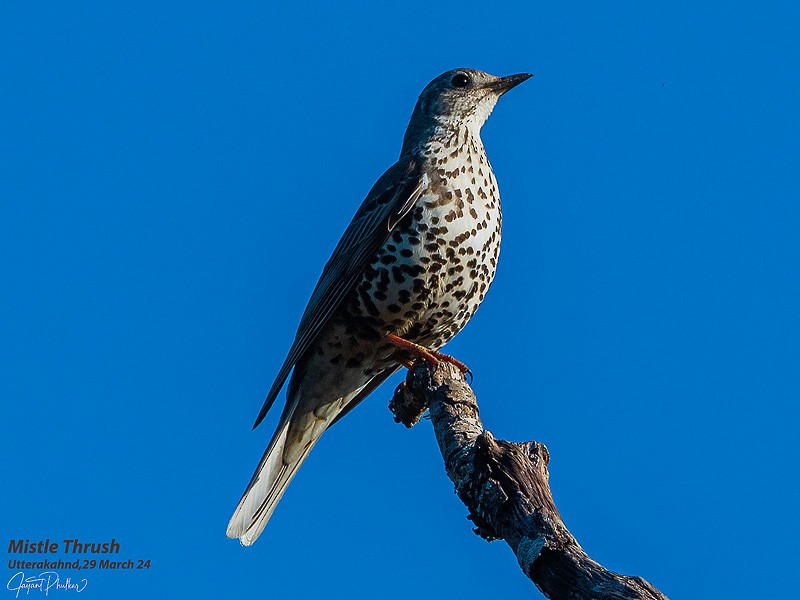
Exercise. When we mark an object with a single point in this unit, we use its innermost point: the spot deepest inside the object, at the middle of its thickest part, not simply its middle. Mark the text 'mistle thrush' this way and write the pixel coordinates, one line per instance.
(409, 272)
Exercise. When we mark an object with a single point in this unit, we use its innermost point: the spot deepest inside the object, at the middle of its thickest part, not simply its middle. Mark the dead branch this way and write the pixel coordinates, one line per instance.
(505, 487)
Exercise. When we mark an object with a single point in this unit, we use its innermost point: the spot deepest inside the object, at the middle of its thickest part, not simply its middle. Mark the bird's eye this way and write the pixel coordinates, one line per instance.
(460, 80)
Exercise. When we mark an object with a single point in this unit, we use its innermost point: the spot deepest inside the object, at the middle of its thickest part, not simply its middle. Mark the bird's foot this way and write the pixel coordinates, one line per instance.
(432, 356)
(407, 363)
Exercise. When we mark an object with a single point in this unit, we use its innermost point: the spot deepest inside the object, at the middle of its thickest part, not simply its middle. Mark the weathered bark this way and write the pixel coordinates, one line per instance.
(505, 487)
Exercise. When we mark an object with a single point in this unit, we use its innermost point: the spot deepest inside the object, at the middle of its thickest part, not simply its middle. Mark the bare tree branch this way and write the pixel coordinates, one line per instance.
(505, 487)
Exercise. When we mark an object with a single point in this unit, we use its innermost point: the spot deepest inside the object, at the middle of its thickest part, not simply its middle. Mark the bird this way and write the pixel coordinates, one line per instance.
(409, 272)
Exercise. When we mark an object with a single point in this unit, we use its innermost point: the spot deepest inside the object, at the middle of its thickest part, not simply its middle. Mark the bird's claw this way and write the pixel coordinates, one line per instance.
(455, 362)
(421, 352)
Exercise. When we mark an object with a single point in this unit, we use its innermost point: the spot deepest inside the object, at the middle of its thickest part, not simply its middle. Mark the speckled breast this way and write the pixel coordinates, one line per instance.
(429, 278)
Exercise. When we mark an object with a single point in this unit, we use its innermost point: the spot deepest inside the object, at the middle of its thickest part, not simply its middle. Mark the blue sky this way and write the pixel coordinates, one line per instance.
(174, 177)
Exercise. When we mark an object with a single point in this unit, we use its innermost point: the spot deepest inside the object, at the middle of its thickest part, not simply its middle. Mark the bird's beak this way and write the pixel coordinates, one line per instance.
(502, 85)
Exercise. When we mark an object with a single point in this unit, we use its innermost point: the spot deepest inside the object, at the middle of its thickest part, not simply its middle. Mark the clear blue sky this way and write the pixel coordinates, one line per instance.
(173, 178)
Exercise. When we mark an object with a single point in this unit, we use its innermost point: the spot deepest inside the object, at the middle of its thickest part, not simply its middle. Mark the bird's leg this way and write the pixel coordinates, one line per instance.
(432, 356)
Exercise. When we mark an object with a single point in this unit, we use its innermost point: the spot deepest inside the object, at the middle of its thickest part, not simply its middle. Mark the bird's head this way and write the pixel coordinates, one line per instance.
(460, 98)
(465, 95)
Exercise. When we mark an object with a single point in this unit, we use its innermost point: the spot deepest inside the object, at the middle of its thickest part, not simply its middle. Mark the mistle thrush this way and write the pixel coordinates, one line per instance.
(409, 272)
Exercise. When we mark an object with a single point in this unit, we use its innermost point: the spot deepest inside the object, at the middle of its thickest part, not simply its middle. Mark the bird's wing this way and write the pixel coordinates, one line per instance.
(389, 200)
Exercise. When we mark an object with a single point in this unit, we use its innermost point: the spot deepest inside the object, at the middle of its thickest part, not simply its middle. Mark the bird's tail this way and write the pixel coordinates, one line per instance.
(274, 473)
(300, 426)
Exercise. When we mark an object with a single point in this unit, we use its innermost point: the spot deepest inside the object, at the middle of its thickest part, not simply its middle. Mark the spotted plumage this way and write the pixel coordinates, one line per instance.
(413, 265)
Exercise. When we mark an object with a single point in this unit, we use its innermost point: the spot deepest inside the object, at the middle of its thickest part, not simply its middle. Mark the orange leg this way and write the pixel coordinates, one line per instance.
(432, 356)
